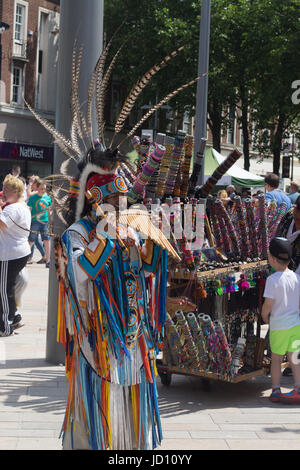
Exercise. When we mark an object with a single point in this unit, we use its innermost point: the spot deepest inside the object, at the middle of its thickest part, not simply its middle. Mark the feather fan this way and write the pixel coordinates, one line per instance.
(140, 220)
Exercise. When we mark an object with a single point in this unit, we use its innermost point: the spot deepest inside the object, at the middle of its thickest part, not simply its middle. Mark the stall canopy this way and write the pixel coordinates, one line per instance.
(237, 176)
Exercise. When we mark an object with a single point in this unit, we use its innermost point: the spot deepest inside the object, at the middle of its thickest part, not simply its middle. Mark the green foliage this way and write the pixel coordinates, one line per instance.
(254, 57)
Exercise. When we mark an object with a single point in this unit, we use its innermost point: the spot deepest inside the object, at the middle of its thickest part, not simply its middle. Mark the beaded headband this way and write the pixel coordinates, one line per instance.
(117, 185)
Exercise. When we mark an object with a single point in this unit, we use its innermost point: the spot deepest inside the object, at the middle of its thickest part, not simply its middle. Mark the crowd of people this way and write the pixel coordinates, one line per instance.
(272, 192)
(24, 219)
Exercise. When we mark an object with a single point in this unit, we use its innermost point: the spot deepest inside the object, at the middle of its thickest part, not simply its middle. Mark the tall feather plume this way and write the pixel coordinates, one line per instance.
(79, 124)
(59, 203)
(95, 87)
(58, 191)
(91, 93)
(138, 87)
(74, 138)
(74, 118)
(64, 167)
(161, 103)
(52, 179)
(58, 136)
(100, 98)
(65, 150)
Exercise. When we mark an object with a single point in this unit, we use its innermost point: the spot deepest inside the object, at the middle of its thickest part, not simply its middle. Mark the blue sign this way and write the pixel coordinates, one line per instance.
(14, 151)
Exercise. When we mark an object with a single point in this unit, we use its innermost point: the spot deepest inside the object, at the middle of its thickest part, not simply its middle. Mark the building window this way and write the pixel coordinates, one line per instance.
(241, 137)
(187, 123)
(17, 85)
(20, 23)
(20, 30)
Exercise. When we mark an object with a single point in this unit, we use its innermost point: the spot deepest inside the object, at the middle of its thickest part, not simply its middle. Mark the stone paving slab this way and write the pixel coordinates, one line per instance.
(263, 444)
(223, 435)
(268, 418)
(193, 444)
(38, 444)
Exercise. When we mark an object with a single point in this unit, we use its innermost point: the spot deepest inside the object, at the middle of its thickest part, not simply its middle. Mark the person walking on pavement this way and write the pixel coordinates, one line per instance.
(31, 190)
(14, 250)
(281, 309)
(39, 204)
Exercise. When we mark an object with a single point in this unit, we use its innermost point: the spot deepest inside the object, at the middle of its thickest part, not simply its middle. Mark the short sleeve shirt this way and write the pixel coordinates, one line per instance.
(284, 289)
(14, 238)
(279, 196)
(38, 206)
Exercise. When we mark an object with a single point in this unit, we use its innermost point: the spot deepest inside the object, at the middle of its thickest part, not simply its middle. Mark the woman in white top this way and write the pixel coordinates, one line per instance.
(15, 219)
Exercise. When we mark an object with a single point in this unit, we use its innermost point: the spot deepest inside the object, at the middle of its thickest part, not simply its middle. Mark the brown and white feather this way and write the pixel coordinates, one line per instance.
(138, 88)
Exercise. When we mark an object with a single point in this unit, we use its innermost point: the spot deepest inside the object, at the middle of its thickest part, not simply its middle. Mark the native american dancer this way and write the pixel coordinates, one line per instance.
(112, 289)
(112, 311)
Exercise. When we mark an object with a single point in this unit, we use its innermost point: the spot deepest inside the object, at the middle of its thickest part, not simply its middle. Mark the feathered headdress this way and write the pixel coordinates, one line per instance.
(86, 145)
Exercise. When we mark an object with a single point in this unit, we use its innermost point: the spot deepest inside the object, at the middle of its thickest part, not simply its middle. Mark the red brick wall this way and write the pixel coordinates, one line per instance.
(7, 16)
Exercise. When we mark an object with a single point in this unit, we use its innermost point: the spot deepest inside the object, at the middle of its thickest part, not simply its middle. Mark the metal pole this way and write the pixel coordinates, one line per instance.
(202, 86)
(0, 55)
(293, 143)
(80, 21)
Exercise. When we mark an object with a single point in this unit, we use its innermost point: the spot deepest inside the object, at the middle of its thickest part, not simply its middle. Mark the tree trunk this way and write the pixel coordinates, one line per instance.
(246, 152)
(276, 144)
(245, 127)
(215, 124)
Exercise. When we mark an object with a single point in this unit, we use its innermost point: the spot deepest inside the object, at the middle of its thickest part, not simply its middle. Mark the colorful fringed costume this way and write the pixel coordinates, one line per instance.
(112, 290)
(111, 337)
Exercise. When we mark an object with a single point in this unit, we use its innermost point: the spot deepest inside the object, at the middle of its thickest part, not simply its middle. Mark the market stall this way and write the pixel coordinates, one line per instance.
(213, 327)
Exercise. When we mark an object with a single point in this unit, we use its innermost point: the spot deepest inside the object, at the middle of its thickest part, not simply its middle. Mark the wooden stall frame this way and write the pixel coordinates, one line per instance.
(165, 373)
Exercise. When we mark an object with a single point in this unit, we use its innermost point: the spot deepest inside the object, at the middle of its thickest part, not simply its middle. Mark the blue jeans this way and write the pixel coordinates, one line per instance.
(39, 246)
(41, 228)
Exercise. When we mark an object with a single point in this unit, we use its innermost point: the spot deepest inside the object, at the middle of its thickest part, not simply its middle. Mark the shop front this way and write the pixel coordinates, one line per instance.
(32, 159)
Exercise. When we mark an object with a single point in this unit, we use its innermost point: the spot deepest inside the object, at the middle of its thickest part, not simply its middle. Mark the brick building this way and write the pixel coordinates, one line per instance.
(28, 58)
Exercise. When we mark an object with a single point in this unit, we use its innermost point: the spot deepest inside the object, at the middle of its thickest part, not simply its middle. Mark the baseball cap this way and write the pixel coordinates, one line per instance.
(281, 248)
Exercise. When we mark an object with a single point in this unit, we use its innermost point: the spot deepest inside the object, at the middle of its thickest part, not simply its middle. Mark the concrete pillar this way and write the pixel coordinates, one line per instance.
(80, 21)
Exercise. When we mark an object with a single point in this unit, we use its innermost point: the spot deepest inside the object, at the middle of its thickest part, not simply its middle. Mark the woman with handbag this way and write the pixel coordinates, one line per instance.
(15, 219)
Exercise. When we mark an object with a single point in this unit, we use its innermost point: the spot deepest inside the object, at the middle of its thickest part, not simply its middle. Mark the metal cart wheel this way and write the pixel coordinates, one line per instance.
(206, 385)
(165, 378)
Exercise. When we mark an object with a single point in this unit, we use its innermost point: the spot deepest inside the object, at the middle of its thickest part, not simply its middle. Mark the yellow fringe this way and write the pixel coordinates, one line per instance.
(107, 385)
(134, 412)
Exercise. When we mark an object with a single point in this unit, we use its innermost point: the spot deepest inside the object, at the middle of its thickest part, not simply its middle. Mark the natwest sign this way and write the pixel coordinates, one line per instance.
(10, 150)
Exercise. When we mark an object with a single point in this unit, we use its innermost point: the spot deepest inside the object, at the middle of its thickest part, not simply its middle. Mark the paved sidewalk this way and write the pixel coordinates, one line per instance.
(32, 391)
(229, 416)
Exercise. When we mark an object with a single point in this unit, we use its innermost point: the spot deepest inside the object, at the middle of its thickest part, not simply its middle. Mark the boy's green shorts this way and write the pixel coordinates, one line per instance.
(283, 341)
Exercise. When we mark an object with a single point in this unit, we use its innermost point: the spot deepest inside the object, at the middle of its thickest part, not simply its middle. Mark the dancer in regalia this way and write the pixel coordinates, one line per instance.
(109, 332)
(112, 289)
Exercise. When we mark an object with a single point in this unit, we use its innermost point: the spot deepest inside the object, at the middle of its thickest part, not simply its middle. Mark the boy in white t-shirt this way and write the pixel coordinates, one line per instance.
(281, 309)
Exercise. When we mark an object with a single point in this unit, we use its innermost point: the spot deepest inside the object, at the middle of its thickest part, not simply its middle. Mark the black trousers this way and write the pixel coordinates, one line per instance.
(9, 271)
